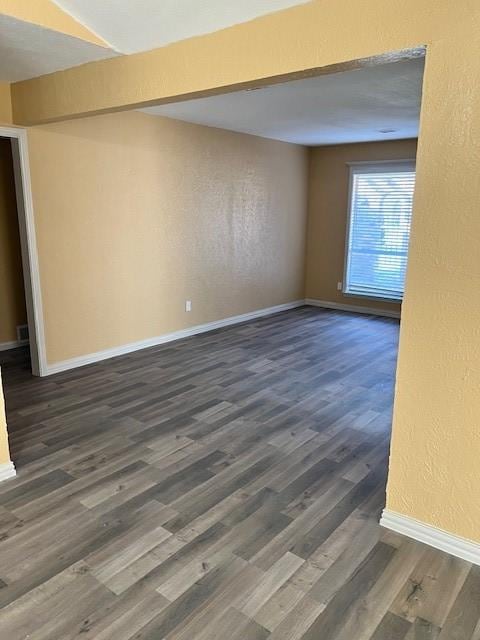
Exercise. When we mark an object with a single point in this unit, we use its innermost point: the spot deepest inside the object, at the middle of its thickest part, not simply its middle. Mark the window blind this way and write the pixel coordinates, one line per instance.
(379, 229)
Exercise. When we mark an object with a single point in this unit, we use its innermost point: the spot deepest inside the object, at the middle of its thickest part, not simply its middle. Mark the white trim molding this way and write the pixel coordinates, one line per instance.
(7, 470)
(98, 356)
(13, 344)
(339, 306)
(426, 533)
(91, 358)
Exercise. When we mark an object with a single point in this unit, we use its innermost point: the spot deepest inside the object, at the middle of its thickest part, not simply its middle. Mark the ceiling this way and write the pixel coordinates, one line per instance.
(28, 50)
(374, 103)
(139, 25)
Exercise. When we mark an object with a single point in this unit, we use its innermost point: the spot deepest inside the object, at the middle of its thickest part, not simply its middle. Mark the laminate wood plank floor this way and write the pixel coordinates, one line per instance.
(228, 485)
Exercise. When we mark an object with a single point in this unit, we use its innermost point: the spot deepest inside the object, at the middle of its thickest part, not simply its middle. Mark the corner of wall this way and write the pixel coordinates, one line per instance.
(5, 103)
(310, 157)
(48, 15)
(4, 449)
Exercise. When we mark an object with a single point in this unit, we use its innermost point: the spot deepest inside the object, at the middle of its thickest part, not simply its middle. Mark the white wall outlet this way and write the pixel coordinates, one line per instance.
(339, 286)
(188, 305)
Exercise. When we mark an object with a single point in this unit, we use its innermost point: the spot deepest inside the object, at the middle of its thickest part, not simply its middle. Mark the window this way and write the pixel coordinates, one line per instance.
(379, 229)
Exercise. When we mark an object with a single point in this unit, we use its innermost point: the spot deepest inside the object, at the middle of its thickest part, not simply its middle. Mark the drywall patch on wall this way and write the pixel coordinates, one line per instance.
(149, 212)
(12, 293)
(328, 215)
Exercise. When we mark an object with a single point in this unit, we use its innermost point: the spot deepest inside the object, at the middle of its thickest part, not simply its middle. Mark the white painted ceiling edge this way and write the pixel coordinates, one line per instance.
(130, 26)
(127, 26)
(375, 103)
(28, 50)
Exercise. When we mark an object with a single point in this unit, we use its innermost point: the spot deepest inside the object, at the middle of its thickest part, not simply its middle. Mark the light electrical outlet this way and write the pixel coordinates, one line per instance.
(188, 305)
(339, 286)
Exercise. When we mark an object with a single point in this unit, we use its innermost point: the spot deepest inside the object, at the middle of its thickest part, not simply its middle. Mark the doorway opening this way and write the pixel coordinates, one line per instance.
(20, 303)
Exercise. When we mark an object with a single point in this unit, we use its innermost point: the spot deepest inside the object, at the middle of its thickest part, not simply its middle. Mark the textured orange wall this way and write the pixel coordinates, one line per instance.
(4, 451)
(434, 471)
(136, 214)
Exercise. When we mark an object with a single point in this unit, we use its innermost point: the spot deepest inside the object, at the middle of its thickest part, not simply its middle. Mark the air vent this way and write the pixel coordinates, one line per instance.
(22, 333)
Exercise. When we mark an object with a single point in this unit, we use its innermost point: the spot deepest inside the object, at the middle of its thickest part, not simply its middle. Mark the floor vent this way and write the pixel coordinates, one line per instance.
(22, 333)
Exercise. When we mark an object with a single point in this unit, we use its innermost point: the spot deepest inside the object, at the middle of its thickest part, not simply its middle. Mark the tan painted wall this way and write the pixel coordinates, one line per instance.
(4, 451)
(136, 213)
(434, 471)
(48, 15)
(12, 296)
(328, 215)
(5, 104)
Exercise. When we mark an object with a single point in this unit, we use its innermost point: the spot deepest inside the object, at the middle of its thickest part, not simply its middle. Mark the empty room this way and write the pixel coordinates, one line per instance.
(239, 320)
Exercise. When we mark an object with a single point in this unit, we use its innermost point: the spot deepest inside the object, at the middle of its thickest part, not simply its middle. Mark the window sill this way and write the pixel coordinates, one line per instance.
(364, 296)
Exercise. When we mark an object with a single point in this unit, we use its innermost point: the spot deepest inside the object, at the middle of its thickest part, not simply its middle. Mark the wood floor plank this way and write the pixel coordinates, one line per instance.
(277, 608)
(277, 575)
(423, 630)
(235, 626)
(463, 617)
(365, 615)
(391, 627)
(332, 620)
(228, 485)
(297, 623)
(432, 588)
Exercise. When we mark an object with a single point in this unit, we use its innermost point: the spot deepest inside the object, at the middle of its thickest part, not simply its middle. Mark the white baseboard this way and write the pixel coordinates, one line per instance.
(90, 358)
(13, 344)
(437, 538)
(339, 306)
(7, 470)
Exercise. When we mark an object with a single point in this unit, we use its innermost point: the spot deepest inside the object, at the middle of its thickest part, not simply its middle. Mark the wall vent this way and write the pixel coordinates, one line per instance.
(22, 333)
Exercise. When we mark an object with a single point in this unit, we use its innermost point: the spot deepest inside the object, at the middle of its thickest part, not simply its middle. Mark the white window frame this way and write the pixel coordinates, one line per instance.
(378, 166)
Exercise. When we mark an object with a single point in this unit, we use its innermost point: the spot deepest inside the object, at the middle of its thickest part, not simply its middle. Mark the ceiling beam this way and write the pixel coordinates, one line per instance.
(301, 41)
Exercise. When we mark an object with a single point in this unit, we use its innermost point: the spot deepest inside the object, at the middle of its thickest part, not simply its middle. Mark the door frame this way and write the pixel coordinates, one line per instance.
(28, 245)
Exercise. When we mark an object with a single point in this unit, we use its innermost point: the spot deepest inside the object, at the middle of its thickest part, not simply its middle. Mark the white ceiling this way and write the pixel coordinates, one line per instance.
(28, 50)
(375, 103)
(138, 25)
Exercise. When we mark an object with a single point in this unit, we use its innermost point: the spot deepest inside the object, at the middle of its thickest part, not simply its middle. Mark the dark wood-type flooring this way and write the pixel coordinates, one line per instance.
(226, 486)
